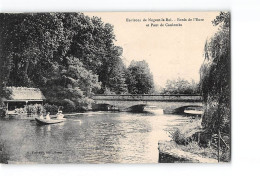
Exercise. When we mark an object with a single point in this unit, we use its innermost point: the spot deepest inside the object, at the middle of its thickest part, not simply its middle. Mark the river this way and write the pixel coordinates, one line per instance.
(94, 137)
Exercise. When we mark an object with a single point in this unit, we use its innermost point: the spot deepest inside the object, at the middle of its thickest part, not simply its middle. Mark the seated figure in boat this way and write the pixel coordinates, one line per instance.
(60, 115)
(48, 116)
(41, 116)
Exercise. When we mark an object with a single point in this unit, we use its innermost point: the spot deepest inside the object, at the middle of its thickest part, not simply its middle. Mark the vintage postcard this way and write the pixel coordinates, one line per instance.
(115, 87)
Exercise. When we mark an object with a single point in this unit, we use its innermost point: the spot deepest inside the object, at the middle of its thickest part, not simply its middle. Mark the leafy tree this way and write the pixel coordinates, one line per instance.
(67, 55)
(215, 75)
(73, 82)
(113, 75)
(29, 38)
(139, 78)
(117, 78)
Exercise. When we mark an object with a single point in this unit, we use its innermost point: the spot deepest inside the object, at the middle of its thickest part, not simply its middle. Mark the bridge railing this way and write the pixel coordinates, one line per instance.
(146, 97)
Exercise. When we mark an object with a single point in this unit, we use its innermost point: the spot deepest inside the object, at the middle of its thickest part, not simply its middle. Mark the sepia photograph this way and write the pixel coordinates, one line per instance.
(115, 87)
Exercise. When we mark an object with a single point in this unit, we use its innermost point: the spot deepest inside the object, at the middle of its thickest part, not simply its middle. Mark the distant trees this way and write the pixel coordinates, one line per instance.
(139, 78)
(117, 79)
(113, 74)
(181, 86)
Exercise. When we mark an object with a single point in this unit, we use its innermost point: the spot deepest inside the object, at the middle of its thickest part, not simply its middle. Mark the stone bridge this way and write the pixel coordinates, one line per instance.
(137, 102)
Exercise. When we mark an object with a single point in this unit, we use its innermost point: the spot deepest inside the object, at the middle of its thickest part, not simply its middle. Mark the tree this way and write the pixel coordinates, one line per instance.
(67, 55)
(139, 78)
(215, 76)
(60, 53)
(215, 79)
(29, 38)
(117, 78)
(112, 74)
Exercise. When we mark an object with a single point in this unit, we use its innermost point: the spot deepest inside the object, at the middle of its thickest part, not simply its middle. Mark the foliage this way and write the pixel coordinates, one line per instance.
(30, 109)
(108, 92)
(66, 55)
(117, 79)
(4, 93)
(215, 78)
(195, 148)
(184, 135)
(181, 86)
(53, 109)
(68, 105)
(178, 137)
(20, 110)
(34, 109)
(187, 140)
(139, 78)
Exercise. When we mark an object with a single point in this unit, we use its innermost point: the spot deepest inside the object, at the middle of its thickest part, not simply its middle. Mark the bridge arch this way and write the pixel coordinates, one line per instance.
(169, 103)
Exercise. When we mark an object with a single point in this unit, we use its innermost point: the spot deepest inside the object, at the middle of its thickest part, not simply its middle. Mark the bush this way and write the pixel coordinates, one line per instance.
(84, 104)
(30, 109)
(185, 135)
(21, 110)
(51, 108)
(178, 137)
(2, 112)
(68, 105)
(82, 109)
(195, 148)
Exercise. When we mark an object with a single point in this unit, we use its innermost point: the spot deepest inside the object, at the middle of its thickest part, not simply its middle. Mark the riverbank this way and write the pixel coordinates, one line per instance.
(170, 152)
(184, 146)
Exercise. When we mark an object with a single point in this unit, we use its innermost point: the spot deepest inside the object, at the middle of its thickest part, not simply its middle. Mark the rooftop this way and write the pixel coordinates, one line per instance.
(25, 93)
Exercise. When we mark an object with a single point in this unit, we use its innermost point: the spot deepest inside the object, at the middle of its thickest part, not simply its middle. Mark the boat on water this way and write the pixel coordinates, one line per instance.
(50, 121)
(193, 111)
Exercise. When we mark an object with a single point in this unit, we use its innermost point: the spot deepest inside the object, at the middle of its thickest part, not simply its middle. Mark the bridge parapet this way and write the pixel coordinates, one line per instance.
(144, 97)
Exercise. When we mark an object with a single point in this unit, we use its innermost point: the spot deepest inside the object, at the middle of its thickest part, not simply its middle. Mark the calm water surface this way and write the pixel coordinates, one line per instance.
(95, 137)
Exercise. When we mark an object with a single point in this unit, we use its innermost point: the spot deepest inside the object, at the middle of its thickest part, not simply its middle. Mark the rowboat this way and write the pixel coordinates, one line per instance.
(194, 111)
(47, 122)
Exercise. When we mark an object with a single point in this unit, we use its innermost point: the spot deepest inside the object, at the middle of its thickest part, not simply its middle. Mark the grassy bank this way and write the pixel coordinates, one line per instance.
(191, 138)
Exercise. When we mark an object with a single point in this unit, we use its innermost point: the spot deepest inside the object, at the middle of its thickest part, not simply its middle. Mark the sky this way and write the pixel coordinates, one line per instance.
(171, 51)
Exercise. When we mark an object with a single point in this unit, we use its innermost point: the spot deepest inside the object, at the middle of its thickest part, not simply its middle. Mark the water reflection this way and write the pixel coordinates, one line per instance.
(95, 137)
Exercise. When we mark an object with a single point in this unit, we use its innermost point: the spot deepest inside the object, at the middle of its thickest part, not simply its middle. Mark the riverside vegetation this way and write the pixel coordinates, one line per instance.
(211, 137)
(68, 56)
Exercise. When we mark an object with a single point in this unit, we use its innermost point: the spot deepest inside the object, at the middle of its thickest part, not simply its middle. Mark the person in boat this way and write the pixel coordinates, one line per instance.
(41, 116)
(60, 115)
(48, 116)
